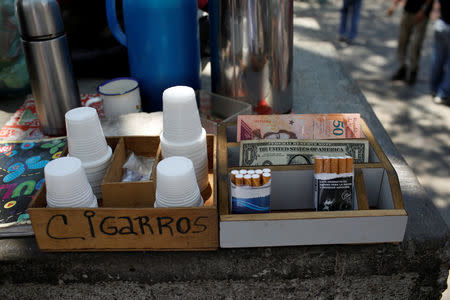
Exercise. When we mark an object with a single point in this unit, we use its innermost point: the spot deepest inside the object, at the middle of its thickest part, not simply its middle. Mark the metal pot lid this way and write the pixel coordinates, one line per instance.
(39, 19)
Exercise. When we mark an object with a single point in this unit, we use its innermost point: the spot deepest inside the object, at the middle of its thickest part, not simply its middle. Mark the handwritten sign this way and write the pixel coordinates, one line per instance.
(125, 225)
(111, 228)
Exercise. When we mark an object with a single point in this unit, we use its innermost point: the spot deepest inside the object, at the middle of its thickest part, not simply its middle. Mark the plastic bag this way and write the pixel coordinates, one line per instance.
(13, 71)
(137, 168)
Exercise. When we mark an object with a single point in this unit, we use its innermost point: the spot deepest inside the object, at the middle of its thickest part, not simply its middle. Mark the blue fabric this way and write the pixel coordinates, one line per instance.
(352, 7)
(440, 61)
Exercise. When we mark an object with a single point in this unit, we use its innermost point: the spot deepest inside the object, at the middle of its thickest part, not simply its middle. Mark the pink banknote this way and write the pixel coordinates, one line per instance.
(305, 126)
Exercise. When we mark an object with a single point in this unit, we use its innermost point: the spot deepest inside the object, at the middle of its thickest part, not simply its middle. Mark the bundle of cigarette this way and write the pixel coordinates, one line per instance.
(250, 191)
(333, 183)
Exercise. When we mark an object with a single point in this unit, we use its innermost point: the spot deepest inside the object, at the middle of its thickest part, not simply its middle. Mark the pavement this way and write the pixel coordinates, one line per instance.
(418, 127)
(328, 77)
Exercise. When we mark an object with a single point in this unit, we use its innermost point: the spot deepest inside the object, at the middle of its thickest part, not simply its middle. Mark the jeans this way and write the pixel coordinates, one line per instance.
(411, 36)
(440, 61)
(355, 7)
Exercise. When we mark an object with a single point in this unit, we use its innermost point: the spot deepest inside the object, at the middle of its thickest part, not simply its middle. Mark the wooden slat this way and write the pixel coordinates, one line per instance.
(222, 177)
(360, 188)
(369, 166)
(275, 168)
(313, 215)
(120, 228)
(395, 189)
(392, 174)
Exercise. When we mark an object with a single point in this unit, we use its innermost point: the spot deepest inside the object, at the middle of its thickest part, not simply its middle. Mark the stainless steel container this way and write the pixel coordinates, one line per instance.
(251, 52)
(48, 61)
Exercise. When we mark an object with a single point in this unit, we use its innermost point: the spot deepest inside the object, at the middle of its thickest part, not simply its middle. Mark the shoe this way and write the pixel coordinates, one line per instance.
(439, 100)
(400, 74)
(412, 78)
(342, 39)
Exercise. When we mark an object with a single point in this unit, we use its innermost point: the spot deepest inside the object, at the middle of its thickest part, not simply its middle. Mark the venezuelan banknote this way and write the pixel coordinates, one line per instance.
(300, 152)
(292, 126)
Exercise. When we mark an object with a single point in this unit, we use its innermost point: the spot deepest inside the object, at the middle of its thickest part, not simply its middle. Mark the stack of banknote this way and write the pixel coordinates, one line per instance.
(296, 139)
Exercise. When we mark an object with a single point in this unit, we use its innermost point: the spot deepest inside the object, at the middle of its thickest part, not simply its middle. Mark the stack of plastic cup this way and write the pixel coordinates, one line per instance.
(183, 134)
(176, 185)
(87, 142)
(67, 184)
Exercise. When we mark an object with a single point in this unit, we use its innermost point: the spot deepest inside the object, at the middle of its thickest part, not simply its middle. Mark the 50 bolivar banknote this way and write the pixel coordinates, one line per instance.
(298, 126)
(300, 152)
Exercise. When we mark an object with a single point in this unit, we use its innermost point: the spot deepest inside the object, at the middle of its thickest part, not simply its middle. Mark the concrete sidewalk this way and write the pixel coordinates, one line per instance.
(419, 128)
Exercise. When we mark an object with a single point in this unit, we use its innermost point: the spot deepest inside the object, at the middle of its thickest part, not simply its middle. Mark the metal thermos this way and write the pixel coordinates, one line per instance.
(48, 61)
(251, 52)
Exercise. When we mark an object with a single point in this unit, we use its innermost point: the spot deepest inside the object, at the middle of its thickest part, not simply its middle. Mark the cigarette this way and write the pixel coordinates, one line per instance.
(266, 178)
(243, 172)
(256, 180)
(334, 165)
(318, 165)
(233, 175)
(349, 163)
(266, 170)
(251, 172)
(342, 165)
(258, 171)
(248, 180)
(239, 180)
(327, 164)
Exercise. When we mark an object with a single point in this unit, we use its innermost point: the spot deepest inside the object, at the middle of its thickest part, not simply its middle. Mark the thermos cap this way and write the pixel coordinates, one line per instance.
(39, 19)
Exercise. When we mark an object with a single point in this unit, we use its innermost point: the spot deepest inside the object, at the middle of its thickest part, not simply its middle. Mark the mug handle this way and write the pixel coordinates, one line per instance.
(93, 101)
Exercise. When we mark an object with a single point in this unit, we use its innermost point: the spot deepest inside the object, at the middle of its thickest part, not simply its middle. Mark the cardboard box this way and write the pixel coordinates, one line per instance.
(129, 228)
(380, 217)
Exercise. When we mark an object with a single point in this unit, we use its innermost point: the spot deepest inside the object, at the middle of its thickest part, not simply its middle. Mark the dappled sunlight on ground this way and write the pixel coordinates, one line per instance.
(418, 127)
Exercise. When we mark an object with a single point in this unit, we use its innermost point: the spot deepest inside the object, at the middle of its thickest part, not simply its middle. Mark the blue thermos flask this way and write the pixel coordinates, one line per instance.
(163, 45)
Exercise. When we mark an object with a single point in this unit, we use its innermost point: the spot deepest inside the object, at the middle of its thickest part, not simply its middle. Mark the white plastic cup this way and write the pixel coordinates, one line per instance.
(95, 172)
(119, 96)
(67, 184)
(85, 137)
(196, 151)
(176, 184)
(181, 120)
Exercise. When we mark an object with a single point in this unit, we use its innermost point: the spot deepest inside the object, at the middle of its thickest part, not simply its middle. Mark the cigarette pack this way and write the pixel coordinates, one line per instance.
(250, 191)
(333, 183)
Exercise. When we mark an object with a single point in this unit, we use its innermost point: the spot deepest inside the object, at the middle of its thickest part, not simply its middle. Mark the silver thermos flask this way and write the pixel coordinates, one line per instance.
(53, 85)
(252, 52)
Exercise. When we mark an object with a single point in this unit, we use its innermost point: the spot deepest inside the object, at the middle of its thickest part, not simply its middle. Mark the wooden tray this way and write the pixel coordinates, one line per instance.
(129, 227)
(380, 217)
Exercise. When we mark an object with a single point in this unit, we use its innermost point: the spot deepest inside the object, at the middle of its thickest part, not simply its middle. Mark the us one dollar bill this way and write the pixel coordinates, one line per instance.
(300, 152)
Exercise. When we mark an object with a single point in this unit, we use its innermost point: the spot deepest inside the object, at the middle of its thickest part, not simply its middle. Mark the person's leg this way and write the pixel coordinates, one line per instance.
(404, 35)
(416, 47)
(344, 14)
(437, 60)
(444, 86)
(356, 11)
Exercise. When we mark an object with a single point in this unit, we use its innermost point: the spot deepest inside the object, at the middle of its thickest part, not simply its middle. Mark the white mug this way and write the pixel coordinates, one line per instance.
(120, 96)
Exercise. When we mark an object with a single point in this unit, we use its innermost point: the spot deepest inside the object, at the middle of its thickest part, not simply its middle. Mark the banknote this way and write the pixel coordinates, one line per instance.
(300, 127)
(300, 152)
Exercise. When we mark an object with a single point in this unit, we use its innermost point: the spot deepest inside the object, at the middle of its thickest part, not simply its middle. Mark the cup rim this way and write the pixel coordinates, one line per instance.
(117, 79)
(97, 162)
